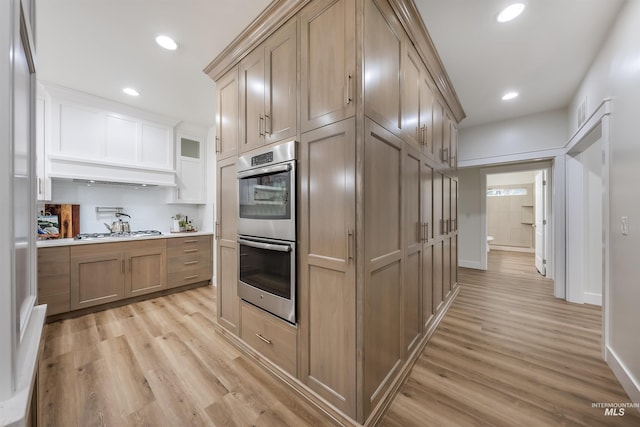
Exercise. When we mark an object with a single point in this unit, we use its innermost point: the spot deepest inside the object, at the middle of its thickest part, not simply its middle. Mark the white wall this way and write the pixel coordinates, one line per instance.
(592, 162)
(535, 133)
(147, 206)
(615, 74)
(524, 177)
(470, 218)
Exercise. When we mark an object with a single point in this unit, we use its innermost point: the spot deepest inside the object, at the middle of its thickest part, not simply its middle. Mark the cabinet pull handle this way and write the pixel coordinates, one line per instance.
(188, 251)
(40, 185)
(426, 234)
(190, 241)
(191, 277)
(424, 134)
(263, 339)
(347, 95)
(216, 231)
(260, 121)
(130, 264)
(267, 120)
(349, 245)
(122, 266)
(420, 232)
(441, 226)
(217, 144)
(191, 262)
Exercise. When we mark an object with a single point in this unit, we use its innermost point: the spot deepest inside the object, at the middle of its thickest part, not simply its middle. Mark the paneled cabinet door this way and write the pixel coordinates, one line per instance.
(383, 262)
(97, 274)
(146, 269)
(453, 156)
(415, 234)
(438, 119)
(227, 115)
(446, 141)
(426, 114)
(427, 250)
(268, 90)
(189, 169)
(327, 264)
(226, 235)
(328, 64)
(383, 38)
(413, 130)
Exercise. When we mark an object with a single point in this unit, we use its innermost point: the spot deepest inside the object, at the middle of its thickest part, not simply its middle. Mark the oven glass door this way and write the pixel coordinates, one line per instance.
(266, 193)
(268, 266)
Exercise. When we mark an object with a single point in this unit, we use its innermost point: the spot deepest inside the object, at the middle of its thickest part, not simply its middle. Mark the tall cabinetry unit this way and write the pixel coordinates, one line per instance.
(377, 192)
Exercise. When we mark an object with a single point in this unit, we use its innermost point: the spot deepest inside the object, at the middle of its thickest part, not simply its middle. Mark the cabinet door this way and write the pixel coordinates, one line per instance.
(146, 269)
(252, 100)
(97, 275)
(446, 140)
(427, 287)
(414, 236)
(437, 129)
(327, 264)
(426, 113)
(327, 62)
(437, 276)
(446, 267)
(446, 204)
(281, 83)
(413, 130)
(227, 115)
(454, 146)
(438, 222)
(226, 235)
(383, 38)
(383, 261)
(189, 170)
(427, 210)
(53, 279)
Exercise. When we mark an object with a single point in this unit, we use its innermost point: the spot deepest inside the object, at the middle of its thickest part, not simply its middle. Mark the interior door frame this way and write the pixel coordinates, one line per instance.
(547, 165)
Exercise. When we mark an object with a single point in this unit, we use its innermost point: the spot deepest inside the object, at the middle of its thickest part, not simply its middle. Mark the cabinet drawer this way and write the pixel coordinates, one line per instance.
(272, 337)
(180, 244)
(182, 278)
(189, 262)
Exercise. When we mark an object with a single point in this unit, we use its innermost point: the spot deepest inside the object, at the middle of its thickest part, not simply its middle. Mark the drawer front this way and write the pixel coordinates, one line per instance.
(182, 278)
(272, 337)
(180, 244)
(189, 262)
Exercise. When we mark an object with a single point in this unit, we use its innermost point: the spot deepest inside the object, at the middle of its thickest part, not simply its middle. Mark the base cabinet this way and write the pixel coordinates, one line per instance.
(97, 274)
(53, 279)
(272, 337)
(189, 260)
(145, 267)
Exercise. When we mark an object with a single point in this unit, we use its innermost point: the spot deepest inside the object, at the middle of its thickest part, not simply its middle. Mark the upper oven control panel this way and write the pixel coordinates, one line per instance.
(268, 156)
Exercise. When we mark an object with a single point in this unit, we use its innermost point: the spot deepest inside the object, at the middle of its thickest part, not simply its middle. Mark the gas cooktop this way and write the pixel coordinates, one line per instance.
(139, 233)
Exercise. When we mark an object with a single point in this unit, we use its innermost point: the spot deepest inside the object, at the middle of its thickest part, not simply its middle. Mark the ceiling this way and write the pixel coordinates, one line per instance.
(99, 47)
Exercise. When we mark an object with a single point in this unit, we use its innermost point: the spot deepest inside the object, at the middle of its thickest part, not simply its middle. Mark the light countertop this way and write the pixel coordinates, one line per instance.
(68, 242)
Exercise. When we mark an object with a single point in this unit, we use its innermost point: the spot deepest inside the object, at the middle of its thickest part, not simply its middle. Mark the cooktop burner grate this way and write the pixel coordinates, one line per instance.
(138, 233)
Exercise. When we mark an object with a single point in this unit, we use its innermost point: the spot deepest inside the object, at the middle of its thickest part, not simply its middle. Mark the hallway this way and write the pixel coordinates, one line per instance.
(509, 353)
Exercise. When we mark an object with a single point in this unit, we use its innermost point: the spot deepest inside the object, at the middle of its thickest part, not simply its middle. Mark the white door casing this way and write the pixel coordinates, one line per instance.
(540, 221)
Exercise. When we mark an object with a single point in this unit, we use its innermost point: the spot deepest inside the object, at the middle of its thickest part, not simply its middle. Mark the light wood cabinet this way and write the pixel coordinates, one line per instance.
(426, 114)
(438, 119)
(189, 260)
(383, 261)
(227, 115)
(145, 266)
(328, 63)
(53, 279)
(268, 90)
(227, 247)
(383, 39)
(97, 274)
(416, 100)
(327, 264)
(272, 337)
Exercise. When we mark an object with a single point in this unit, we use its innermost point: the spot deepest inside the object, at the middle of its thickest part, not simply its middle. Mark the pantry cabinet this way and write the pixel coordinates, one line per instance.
(328, 60)
(226, 244)
(227, 115)
(377, 234)
(268, 90)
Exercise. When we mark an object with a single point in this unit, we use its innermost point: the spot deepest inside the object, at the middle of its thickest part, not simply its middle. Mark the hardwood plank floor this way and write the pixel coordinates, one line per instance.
(507, 353)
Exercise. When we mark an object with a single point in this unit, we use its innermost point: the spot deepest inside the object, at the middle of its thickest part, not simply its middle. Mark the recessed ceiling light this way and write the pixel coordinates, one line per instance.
(131, 91)
(166, 42)
(510, 95)
(511, 12)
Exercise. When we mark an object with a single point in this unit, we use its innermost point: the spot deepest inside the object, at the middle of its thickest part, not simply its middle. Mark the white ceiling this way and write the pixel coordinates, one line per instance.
(99, 47)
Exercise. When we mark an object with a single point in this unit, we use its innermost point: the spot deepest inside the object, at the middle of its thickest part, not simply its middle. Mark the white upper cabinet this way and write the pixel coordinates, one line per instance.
(190, 186)
(92, 138)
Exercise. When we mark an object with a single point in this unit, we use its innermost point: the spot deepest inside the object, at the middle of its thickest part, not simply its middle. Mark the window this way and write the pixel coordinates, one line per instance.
(497, 192)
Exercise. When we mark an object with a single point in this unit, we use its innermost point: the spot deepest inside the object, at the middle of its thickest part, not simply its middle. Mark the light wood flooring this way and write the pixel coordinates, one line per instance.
(510, 354)
(507, 353)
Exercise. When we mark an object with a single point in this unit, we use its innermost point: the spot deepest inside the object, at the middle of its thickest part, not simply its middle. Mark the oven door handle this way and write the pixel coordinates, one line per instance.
(267, 246)
(265, 170)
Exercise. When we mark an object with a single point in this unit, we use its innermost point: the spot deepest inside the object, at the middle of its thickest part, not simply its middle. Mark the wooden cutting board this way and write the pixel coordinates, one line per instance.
(69, 218)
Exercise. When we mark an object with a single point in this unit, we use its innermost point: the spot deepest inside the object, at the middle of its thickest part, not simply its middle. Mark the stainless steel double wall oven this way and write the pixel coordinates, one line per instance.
(267, 229)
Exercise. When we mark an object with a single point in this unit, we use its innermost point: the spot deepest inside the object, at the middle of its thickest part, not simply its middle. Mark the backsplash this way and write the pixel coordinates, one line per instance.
(146, 205)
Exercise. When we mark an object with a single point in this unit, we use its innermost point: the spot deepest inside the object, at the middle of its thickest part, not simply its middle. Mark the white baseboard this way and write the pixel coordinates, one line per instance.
(628, 382)
(511, 248)
(592, 298)
(470, 264)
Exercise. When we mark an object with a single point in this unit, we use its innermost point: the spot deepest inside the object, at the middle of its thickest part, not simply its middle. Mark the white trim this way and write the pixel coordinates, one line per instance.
(512, 158)
(592, 298)
(630, 384)
(604, 109)
(558, 228)
(511, 248)
(470, 264)
(606, 236)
